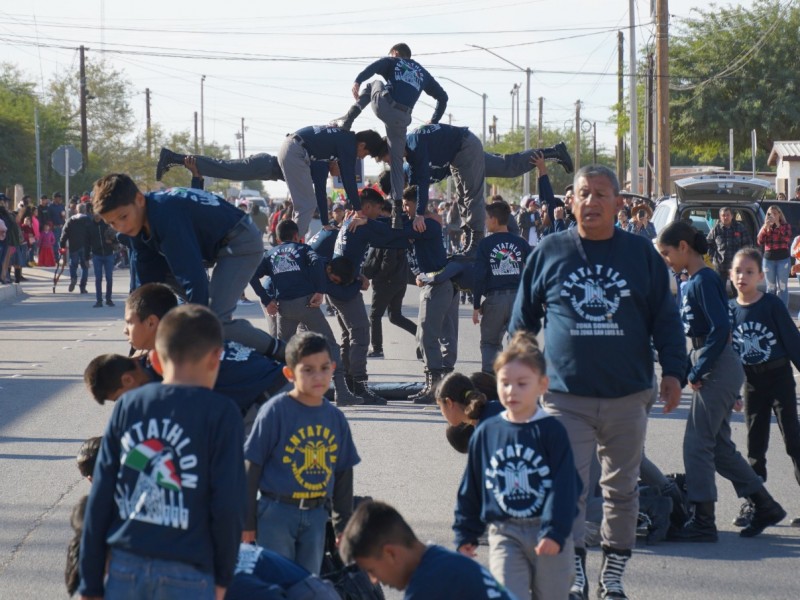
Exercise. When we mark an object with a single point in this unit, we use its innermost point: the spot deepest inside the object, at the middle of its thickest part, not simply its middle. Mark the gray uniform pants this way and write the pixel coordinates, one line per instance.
(616, 428)
(255, 167)
(468, 168)
(496, 314)
(508, 165)
(707, 445)
(397, 118)
(292, 313)
(515, 565)
(355, 334)
(437, 333)
(296, 166)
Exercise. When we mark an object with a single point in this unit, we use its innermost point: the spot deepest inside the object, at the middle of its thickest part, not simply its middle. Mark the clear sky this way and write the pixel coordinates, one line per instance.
(285, 65)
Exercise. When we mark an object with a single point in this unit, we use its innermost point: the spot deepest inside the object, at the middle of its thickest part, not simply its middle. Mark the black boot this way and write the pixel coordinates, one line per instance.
(428, 394)
(344, 397)
(471, 248)
(560, 154)
(17, 275)
(745, 514)
(580, 585)
(768, 512)
(166, 160)
(397, 214)
(425, 391)
(611, 571)
(361, 389)
(346, 121)
(701, 527)
(72, 284)
(680, 512)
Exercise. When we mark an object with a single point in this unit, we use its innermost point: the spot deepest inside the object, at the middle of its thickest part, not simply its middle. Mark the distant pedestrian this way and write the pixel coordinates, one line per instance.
(725, 239)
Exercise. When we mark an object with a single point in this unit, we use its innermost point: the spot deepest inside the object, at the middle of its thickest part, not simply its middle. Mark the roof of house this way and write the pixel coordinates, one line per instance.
(784, 151)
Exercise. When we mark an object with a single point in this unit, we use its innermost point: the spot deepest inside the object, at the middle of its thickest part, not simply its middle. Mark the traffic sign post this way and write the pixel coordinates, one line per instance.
(66, 161)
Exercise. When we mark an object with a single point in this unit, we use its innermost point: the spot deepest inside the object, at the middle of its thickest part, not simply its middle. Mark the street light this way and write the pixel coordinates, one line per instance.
(202, 117)
(483, 97)
(526, 179)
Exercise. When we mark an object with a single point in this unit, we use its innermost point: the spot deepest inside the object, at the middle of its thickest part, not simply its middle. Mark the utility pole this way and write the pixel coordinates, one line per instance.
(648, 129)
(494, 129)
(526, 178)
(202, 116)
(148, 130)
(620, 101)
(513, 93)
(577, 160)
(633, 100)
(195, 132)
(84, 132)
(38, 150)
(594, 142)
(541, 110)
(662, 98)
(244, 153)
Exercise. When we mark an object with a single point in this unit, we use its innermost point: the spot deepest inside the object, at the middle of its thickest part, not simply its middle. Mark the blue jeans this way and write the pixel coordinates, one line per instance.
(103, 264)
(133, 577)
(777, 274)
(75, 259)
(296, 534)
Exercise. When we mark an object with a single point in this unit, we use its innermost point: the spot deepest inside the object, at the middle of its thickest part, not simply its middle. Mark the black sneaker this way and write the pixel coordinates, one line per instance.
(83, 290)
(795, 522)
(109, 302)
(98, 304)
(72, 285)
(745, 514)
(375, 354)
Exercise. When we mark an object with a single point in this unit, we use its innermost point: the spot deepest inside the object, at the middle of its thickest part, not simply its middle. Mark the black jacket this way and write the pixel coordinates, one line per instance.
(101, 238)
(76, 232)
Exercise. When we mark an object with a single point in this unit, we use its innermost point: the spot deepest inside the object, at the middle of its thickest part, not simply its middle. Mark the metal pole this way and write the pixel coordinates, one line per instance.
(66, 180)
(483, 138)
(594, 142)
(662, 96)
(526, 179)
(244, 153)
(513, 89)
(195, 132)
(753, 149)
(633, 100)
(84, 128)
(38, 151)
(577, 159)
(620, 109)
(147, 117)
(541, 114)
(730, 151)
(449, 179)
(202, 116)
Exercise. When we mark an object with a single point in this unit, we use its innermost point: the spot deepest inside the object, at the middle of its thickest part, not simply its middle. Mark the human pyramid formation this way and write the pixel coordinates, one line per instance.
(184, 475)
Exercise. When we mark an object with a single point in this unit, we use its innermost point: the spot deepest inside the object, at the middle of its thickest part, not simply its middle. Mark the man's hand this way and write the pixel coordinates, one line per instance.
(356, 223)
(670, 393)
(696, 386)
(547, 547)
(419, 224)
(364, 283)
(315, 301)
(476, 316)
(468, 550)
(219, 592)
(355, 90)
(738, 405)
(541, 165)
(420, 283)
(249, 536)
(333, 168)
(190, 162)
(272, 308)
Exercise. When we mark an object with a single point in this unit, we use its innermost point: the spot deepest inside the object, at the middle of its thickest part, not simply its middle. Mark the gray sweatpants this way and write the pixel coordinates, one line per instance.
(396, 121)
(494, 323)
(291, 313)
(515, 565)
(255, 167)
(296, 166)
(437, 331)
(707, 445)
(468, 168)
(353, 314)
(508, 165)
(616, 428)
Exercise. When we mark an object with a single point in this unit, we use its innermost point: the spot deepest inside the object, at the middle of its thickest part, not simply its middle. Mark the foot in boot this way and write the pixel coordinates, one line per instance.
(611, 571)
(361, 389)
(397, 214)
(767, 513)
(166, 160)
(701, 527)
(346, 121)
(375, 354)
(745, 514)
(795, 522)
(98, 304)
(72, 285)
(471, 248)
(580, 585)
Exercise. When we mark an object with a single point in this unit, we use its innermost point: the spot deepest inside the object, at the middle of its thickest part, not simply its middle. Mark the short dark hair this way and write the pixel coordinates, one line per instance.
(305, 344)
(751, 253)
(112, 191)
(500, 210)
(151, 299)
(681, 231)
(372, 140)
(372, 526)
(343, 268)
(402, 50)
(103, 375)
(286, 230)
(459, 436)
(410, 193)
(387, 206)
(525, 349)
(87, 455)
(72, 575)
(592, 171)
(460, 389)
(385, 182)
(371, 196)
(187, 334)
(485, 383)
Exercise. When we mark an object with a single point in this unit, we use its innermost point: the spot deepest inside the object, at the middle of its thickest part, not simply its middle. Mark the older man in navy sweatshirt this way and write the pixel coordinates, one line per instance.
(607, 296)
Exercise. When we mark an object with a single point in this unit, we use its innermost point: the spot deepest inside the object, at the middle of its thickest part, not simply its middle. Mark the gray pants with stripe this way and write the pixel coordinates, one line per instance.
(496, 313)
(255, 167)
(509, 165)
(468, 168)
(291, 313)
(355, 334)
(437, 333)
(296, 166)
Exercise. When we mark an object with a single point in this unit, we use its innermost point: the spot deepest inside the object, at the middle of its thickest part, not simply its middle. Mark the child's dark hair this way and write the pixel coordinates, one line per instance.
(410, 193)
(387, 206)
(343, 268)
(385, 182)
(403, 51)
(750, 253)
(87, 455)
(372, 141)
(103, 375)
(187, 334)
(525, 349)
(460, 389)
(286, 230)
(500, 210)
(370, 196)
(72, 576)
(372, 526)
(459, 436)
(485, 383)
(305, 344)
(679, 231)
(151, 299)
(112, 191)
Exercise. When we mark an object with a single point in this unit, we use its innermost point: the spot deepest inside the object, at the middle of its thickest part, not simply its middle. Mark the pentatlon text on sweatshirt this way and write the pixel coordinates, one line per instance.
(595, 294)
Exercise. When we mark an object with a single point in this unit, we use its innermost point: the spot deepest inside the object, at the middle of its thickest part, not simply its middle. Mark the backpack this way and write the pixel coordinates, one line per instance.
(350, 582)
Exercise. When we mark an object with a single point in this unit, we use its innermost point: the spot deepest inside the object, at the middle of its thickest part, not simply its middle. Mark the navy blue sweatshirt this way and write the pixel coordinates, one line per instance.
(460, 272)
(704, 312)
(430, 145)
(168, 484)
(262, 574)
(518, 471)
(406, 79)
(343, 292)
(600, 316)
(428, 248)
(498, 264)
(295, 271)
(245, 374)
(331, 143)
(324, 242)
(764, 331)
(188, 226)
(353, 245)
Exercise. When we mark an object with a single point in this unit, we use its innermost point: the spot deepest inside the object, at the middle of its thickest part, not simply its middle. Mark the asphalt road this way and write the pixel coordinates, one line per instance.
(47, 339)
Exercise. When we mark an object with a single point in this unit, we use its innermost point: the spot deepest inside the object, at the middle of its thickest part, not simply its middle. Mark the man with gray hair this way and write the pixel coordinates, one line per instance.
(76, 233)
(607, 296)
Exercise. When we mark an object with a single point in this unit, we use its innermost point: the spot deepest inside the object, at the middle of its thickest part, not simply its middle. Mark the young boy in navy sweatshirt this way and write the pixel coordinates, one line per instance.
(189, 227)
(166, 499)
(381, 542)
(299, 455)
(498, 265)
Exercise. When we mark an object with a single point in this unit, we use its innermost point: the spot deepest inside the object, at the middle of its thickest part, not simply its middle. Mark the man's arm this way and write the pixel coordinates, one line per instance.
(433, 89)
(319, 177)
(316, 271)
(382, 66)
(342, 499)
(347, 169)
(528, 309)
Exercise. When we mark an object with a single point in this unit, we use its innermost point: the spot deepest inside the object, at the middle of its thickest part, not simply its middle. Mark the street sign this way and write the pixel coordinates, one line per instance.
(66, 157)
